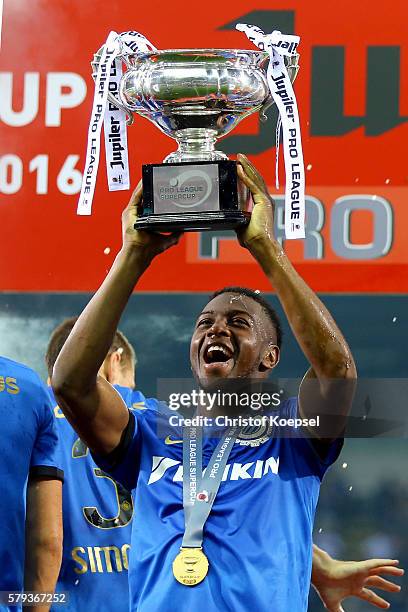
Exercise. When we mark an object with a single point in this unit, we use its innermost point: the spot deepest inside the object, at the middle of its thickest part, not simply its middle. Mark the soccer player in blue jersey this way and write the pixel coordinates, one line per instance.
(257, 536)
(97, 510)
(91, 573)
(30, 485)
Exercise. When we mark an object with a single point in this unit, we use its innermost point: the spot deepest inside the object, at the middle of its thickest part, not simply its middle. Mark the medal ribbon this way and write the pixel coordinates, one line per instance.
(279, 45)
(192, 466)
(199, 491)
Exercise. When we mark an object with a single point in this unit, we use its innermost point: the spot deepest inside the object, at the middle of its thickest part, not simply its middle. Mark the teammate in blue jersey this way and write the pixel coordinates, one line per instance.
(257, 537)
(30, 484)
(97, 510)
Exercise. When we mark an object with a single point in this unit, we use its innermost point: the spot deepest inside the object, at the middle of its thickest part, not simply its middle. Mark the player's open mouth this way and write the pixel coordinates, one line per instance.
(217, 356)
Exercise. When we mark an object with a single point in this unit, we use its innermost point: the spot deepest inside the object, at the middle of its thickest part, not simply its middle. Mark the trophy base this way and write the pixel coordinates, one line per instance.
(193, 197)
(193, 222)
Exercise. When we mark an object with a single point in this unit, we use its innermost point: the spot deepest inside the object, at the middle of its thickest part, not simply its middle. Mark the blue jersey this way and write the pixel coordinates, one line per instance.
(258, 537)
(97, 515)
(29, 446)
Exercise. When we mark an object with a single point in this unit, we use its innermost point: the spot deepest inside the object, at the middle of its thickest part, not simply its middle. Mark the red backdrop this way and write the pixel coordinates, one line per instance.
(45, 246)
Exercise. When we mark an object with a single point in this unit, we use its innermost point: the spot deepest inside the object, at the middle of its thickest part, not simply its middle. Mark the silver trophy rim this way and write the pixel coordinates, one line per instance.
(253, 52)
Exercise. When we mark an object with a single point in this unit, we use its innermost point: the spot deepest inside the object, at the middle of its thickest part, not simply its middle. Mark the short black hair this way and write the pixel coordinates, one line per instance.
(59, 337)
(255, 295)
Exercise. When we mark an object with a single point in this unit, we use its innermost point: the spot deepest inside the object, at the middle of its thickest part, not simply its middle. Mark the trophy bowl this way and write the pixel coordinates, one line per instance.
(195, 96)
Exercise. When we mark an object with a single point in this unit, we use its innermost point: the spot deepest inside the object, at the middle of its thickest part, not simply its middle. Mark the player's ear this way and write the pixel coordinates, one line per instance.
(270, 359)
(112, 367)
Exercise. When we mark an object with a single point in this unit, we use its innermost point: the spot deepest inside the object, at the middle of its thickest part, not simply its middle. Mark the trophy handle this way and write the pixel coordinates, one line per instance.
(113, 99)
(262, 111)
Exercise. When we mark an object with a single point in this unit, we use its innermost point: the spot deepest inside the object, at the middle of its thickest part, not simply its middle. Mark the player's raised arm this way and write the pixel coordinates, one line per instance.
(88, 401)
(315, 330)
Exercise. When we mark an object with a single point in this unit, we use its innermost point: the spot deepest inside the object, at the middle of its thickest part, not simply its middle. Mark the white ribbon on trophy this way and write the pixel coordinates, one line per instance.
(279, 45)
(114, 127)
(114, 119)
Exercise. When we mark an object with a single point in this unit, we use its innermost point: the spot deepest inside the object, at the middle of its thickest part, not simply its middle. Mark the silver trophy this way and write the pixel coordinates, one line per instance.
(195, 96)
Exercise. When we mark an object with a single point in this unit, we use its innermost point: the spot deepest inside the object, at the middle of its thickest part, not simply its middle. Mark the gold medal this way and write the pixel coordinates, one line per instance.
(190, 566)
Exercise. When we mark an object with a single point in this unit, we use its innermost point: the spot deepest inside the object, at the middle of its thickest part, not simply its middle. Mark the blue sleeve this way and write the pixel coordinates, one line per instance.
(320, 454)
(45, 457)
(123, 463)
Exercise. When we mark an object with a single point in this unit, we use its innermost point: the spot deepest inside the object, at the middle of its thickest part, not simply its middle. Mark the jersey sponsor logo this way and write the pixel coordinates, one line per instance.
(254, 436)
(233, 471)
(160, 466)
(9, 384)
(100, 559)
(168, 440)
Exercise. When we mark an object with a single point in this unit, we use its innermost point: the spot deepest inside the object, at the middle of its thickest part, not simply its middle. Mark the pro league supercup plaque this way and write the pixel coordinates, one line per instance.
(195, 96)
(193, 196)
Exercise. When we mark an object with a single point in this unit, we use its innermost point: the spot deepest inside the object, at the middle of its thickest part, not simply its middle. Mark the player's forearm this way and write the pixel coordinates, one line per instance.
(43, 536)
(78, 364)
(43, 562)
(42, 565)
(314, 328)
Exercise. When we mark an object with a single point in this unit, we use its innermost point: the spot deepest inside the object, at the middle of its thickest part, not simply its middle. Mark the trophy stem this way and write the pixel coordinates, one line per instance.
(195, 144)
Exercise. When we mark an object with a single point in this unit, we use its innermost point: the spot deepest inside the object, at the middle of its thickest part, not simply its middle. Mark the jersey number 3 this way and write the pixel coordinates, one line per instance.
(123, 497)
